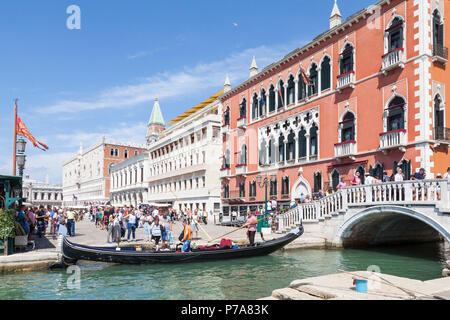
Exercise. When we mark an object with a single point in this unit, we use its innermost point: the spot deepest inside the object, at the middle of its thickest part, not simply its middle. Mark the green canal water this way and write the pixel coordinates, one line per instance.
(236, 279)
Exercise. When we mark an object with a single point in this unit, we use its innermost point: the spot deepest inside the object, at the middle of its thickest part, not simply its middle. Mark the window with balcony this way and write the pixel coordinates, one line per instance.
(272, 99)
(346, 59)
(226, 116)
(441, 133)
(313, 88)
(313, 140)
(301, 87)
(226, 191)
(348, 127)
(395, 34)
(438, 37)
(280, 94)
(243, 155)
(325, 74)
(290, 91)
(226, 164)
(255, 106)
(262, 103)
(395, 114)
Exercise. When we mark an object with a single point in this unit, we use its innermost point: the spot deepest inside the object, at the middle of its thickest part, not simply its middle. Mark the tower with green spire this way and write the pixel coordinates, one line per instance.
(156, 123)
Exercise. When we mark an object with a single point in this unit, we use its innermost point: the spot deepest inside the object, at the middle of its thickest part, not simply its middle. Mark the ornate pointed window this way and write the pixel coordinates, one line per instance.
(346, 60)
(314, 76)
(396, 114)
(348, 127)
(290, 93)
(272, 99)
(325, 74)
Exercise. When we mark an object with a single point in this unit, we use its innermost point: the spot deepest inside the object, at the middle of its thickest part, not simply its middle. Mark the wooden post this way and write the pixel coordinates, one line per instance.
(15, 137)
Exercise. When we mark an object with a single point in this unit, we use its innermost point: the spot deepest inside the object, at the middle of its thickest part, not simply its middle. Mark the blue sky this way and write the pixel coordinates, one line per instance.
(76, 85)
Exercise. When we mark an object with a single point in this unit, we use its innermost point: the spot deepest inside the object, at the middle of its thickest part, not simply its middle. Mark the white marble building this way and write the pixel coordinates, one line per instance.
(42, 193)
(182, 165)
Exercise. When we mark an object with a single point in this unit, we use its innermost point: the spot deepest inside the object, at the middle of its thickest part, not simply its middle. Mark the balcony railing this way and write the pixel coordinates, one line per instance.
(346, 80)
(225, 128)
(235, 195)
(345, 149)
(394, 59)
(393, 139)
(440, 53)
(241, 169)
(225, 172)
(442, 133)
(242, 122)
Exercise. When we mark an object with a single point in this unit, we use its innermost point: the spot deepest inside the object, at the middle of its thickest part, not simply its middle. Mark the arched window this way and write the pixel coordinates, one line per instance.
(439, 119)
(243, 155)
(335, 179)
(313, 140)
(273, 187)
(301, 87)
(262, 103)
(242, 190)
(280, 94)
(125, 154)
(271, 99)
(325, 74)
(395, 118)
(226, 116)
(395, 34)
(314, 76)
(271, 152)
(252, 189)
(285, 186)
(438, 32)
(255, 106)
(262, 153)
(226, 160)
(290, 91)
(377, 172)
(226, 191)
(346, 60)
(281, 148)
(290, 152)
(302, 143)
(243, 109)
(348, 127)
(317, 182)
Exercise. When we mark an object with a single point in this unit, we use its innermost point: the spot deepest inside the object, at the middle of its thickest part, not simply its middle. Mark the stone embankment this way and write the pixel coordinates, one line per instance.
(446, 271)
(380, 287)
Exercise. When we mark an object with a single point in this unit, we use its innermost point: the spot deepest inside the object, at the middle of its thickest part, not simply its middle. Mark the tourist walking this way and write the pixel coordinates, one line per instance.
(62, 223)
(40, 218)
(117, 229)
(166, 221)
(194, 224)
(147, 222)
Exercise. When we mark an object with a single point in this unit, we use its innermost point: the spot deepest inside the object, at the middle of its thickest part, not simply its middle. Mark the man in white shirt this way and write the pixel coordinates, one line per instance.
(369, 179)
(155, 212)
(399, 175)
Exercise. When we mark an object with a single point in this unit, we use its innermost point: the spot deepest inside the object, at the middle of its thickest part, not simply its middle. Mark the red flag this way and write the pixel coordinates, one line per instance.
(23, 131)
(305, 78)
(281, 96)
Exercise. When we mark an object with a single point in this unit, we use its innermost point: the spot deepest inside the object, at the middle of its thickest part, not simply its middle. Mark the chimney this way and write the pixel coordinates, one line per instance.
(336, 17)
(253, 68)
(227, 85)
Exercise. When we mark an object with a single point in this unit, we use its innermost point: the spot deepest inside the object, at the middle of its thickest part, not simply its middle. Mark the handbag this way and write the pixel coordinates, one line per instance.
(181, 236)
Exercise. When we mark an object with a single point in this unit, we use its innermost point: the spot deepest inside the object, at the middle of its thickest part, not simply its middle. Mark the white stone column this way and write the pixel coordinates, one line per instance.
(296, 90)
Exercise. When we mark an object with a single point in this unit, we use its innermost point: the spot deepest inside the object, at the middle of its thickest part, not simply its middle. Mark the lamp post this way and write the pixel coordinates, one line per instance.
(20, 155)
(265, 182)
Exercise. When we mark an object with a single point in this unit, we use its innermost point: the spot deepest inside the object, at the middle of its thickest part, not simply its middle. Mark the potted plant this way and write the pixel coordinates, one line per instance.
(7, 230)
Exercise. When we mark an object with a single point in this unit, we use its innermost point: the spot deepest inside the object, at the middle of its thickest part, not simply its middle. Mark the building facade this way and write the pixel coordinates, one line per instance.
(40, 193)
(87, 176)
(367, 95)
(184, 161)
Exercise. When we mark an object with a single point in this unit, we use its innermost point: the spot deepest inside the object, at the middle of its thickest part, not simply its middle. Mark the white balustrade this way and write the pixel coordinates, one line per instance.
(242, 122)
(393, 139)
(225, 129)
(344, 149)
(393, 59)
(241, 169)
(346, 80)
(424, 192)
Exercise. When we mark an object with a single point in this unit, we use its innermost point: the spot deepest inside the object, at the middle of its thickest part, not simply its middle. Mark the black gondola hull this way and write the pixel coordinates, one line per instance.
(74, 252)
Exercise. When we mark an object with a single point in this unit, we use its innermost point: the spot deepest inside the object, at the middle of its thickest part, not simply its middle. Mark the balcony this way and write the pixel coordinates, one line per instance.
(346, 80)
(393, 60)
(234, 195)
(225, 172)
(225, 129)
(242, 122)
(393, 140)
(440, 54)
(345, 149)
(241, 169)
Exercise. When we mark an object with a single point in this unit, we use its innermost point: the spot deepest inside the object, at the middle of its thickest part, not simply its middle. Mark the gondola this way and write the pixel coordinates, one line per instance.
(72, 252)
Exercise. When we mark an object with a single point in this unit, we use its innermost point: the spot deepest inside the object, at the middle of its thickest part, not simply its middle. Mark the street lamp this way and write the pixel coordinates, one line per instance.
(20, 155)
(265, 225)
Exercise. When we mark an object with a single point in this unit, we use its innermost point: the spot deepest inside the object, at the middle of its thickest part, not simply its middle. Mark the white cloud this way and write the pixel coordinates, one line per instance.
(172, 84)
(137, 55)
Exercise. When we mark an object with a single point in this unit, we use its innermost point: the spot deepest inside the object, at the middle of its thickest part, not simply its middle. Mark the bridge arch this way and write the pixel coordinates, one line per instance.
(367, 226)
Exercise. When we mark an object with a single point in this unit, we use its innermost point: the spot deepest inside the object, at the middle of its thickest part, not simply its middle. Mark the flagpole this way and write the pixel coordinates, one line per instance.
(15, 137)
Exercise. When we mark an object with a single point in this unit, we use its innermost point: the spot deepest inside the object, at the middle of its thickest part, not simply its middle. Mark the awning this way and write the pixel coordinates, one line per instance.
(198, 107)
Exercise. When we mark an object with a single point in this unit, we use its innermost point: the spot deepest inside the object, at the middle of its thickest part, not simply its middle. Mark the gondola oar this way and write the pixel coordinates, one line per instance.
(245, 225)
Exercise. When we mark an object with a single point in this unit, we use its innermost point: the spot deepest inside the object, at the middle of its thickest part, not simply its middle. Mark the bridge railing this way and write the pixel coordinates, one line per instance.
(416, 192)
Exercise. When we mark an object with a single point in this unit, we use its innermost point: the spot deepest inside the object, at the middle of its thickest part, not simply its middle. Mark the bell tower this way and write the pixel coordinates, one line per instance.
(156, 123)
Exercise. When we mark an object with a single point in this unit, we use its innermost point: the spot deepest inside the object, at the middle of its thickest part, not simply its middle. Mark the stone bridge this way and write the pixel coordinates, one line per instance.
(393, 212)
